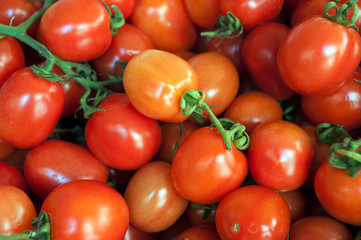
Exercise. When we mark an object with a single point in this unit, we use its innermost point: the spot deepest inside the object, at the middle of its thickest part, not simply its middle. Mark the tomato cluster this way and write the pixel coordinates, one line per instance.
(180, 119)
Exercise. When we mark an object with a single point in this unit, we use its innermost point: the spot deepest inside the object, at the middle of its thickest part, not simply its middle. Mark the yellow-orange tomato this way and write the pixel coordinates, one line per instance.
(204, 13)
(155, 80)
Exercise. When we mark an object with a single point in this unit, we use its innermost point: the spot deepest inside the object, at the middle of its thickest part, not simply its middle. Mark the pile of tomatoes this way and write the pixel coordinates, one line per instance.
(180, 119)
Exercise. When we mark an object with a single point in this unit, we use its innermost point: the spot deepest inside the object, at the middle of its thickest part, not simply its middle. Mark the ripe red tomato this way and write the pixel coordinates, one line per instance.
(297, 203)
(54, 162)
(153, 202)
(280, 155)
(203, 170)
(200, 232)
(11, 175)
(204, 13)
(155, 80)
(120, 136)
(30, 108)
(74, 32)
(5, 150)
(134, 233)
(84, 208)
(253, 212)
(318, 63)
(125, 6)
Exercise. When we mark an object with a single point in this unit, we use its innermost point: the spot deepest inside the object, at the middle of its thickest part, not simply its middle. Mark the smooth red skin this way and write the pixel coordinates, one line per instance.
(252, 12)
(76, 30)
(134, 233)
(321, 71)
(203, 159)
(259, 52)
(16, 210)
(342, 106)
(166, 22)
(338, 193)
(297, 203)
(260, 212)
(280, 154)
(120, 136)
(154, 204)
(30, 108)
(128, 42)
(319, 227)
(84, 208)
(125, 6)
(55, 162)
(200, 232)
(155, 80)
(11, 175)
(253, 108)
(204, 13)
(5, 150)
(12, 58)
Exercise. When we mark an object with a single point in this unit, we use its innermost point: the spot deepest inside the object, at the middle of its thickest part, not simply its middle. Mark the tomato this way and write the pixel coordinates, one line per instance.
(120, 136)
(134, 233)
(30, 108)
(338, 193)
(125, 6)
(83, 208)
(11, 175)
(74, 32)
(203, 159)
(177, 228)
(155, 80)
(217, 78)
(253, 212)
(280, 155)
(200, 232)
(297, 203)
(252, 12)
(154, 204)
(5, 150)
(16, 210)
(199, 216)
(204, 13)
(259, 52)
(166, 22)
(319, 227)
(185, 54)
(253, 108)
(318, 75)
(51, 164)
(12, 58)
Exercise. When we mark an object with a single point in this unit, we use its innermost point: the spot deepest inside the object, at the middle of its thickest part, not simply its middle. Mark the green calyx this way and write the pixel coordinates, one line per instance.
(341, 14)
(116, 20)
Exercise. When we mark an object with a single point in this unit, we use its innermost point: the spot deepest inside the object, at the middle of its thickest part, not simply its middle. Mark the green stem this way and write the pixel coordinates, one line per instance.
(353, 155)
(341, 14)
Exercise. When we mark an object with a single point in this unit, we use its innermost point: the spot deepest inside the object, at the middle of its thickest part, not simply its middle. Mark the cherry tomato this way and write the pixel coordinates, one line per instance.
(120, 136)
(30, 108)
(253, 212)
(154, 204)
(200, 232)
(280, 154)
(203, 170)
(83, 208)
(134, 233)
(297, 203)
(74, 32)
(11, 175)
(16, 210)
(125, 6)
(204, 13)
(166, 22)
(155, 80)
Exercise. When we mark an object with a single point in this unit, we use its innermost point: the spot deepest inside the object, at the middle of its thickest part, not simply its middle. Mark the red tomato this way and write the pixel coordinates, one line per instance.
(5, 150)
(11, 175)
(84, 208)
(30, 108)
(338, 193)
(155, 80)
(297, 203)
(166, 22)
(320, 228)
(154, 204)
(280, 155)
(253, 213)
(55, 162)
(203, 170)
(125, 6)
(200, 232)
(134, 233)
(252, 12)
(16, 210)
(317, 64)
(204, 13)
(74, 32)
(259, 51)
(120, 136)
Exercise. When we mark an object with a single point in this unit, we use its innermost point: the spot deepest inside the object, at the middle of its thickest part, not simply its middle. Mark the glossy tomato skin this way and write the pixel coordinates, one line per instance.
(280, 155)
(338, 193)
(30, 108)
(76, 30)
(204, 13)
(155, 80)
(203, 159)
(120, 136)
(166, 22)
(253, 212)
(95, 209)
(55, 162)
(125, 6)
(11, 175)
(318, 75)
(154, 204)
